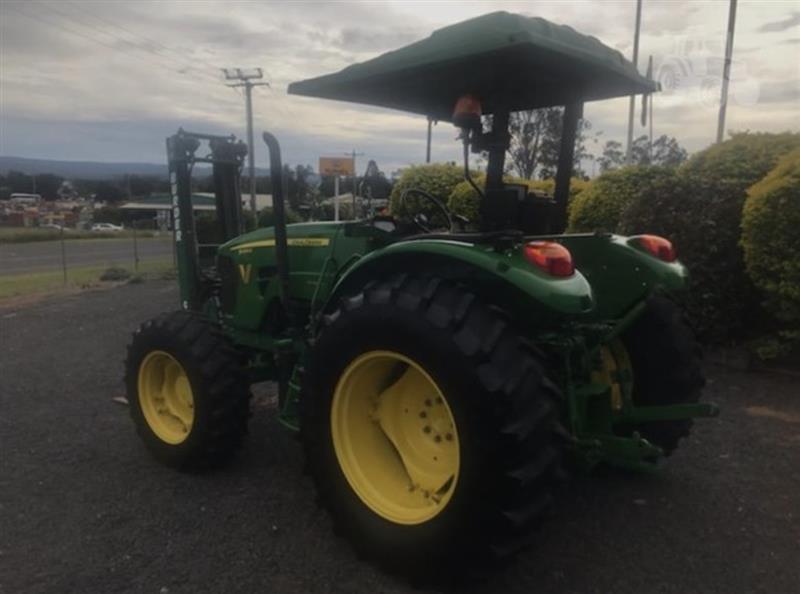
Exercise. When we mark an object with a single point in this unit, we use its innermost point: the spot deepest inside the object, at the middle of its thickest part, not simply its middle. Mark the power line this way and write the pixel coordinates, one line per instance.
(144, 38)
(102, 31)
(78, 33)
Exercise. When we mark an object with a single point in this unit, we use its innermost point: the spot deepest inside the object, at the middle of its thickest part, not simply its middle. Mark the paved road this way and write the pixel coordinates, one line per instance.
(40, 256)
(83, 508)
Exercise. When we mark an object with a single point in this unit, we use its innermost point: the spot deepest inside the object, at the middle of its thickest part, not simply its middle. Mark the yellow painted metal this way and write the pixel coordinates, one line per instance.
(616, 371)
(165, 397)
(395, 437)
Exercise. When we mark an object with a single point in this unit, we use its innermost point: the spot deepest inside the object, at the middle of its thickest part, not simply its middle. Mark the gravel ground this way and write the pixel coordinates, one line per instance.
(83, 508)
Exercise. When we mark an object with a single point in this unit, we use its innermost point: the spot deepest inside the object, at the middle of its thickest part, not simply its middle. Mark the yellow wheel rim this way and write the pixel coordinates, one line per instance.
(165, 397)
(616, 371)
(395, 437)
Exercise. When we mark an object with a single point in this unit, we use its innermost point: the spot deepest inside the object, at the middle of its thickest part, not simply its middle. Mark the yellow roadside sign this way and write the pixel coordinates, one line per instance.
(336, 166)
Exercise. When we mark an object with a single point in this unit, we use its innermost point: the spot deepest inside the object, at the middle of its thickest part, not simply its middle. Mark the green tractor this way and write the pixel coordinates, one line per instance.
(440, 378)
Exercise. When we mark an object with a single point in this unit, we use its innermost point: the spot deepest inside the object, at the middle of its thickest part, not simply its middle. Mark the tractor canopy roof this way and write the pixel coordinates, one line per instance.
(508, 61)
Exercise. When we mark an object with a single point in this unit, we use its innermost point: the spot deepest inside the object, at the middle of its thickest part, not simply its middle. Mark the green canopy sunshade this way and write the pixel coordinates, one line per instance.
(509, 61)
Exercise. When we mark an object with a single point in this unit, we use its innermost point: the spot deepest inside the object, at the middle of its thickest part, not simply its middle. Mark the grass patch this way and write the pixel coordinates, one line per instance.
(78, 277)
(31, 234)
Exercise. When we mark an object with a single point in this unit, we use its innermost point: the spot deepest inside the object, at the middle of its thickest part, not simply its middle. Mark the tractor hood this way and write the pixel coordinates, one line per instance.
(508, 61)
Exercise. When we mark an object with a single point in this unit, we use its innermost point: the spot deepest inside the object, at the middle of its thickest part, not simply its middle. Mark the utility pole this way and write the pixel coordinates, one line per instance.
(633, 97)
(246, 79)
(726, 73)
(428, 149)
(353, 154)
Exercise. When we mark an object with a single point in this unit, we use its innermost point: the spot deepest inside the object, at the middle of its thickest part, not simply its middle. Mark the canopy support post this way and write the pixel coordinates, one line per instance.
(572, 113)
(498, 145)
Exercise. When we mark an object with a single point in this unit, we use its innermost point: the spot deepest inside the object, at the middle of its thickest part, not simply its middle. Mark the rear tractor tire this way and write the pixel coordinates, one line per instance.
(665, 363)
(188, 391)
(428, 427)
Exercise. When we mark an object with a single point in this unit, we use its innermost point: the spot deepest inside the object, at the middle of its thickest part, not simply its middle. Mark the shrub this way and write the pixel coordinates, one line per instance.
(107, 214)
(464, 199)
(699, 208)
(437, 179)
(771, 242)
(266, 217)
(743, 159)
(548, 186)
(601, 204)
(115, 273)
(700, 216)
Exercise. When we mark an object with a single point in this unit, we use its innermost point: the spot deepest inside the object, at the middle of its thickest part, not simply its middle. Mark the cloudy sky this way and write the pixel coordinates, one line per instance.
(107, 81)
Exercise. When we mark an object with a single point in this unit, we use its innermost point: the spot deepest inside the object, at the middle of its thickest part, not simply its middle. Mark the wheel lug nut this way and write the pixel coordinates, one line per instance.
(449, 437)
(426, 429)
(423, 414)
(437, 439)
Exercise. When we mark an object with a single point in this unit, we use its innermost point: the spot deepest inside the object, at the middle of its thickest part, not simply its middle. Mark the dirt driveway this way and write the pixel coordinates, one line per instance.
(83, 508)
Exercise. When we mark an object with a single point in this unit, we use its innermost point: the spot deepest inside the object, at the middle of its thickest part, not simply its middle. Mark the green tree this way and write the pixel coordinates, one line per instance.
(536, 142)
(144, 185)
(613, 156)
(666, 152)
(47, 185)
(108, 192)
(526, 128)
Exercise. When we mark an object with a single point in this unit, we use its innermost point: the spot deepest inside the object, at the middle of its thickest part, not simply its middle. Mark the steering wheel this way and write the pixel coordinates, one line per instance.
(420, 220)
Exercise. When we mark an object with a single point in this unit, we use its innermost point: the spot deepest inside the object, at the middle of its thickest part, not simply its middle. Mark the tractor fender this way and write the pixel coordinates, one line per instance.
(503, 277)
(621, 273)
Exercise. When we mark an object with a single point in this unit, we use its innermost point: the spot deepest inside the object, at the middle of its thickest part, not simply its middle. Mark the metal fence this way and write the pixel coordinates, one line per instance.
(79, 258)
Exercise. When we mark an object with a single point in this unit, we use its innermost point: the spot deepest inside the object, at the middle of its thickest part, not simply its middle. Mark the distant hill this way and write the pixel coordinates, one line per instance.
(86, 169)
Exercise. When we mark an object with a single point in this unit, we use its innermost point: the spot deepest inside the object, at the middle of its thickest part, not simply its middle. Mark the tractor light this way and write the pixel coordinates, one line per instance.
(552, 257)
(656, 246)
(467, 113)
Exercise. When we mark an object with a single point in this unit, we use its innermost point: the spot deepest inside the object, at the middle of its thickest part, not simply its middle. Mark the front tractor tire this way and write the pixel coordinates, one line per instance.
(428, 427)
(188, 391)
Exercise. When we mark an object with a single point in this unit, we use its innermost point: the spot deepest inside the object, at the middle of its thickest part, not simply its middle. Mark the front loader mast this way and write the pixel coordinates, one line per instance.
(226, 156)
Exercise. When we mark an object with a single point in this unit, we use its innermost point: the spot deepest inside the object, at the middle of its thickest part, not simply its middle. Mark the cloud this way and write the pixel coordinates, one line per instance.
(67, 95)
(784, 91)
(783, 25)
(372, 39)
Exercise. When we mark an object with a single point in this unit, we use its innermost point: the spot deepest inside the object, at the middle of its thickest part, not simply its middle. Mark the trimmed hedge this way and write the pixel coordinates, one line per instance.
(771, 242)
(701, 218)
(743, 159)
(464, 200)
(699, 208)
(437, 179)
(599, 207)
